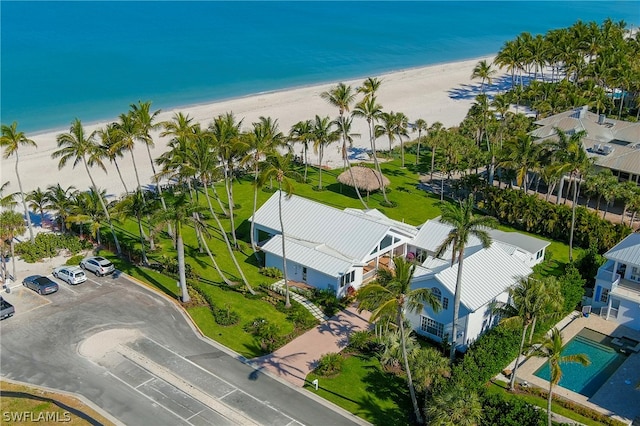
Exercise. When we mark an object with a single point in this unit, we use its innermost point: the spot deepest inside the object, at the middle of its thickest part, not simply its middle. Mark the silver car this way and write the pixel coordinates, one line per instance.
(71, 274)
(98, 265)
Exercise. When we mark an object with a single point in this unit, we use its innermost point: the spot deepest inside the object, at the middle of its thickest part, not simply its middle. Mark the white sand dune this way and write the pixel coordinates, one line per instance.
(441, 93)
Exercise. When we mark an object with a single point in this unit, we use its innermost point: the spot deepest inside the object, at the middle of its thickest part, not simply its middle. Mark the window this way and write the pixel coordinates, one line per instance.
(386, 242)
(436, 292)
(445, 303)
(604, 297)
(635, 274)
(353, 276)
(431, 326)
(343, 280)
(539, 254)
(304, 273)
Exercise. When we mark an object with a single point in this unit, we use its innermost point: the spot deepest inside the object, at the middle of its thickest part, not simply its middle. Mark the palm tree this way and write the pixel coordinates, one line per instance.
(11, 140)
(552, 349)
(38, 203)
(529, 299)
(79, 147)
(179, 213)
(464, 225)
(11, 225)
(419, 126)
(7, 201)
(59, 200)
(483, 71)
(342, 96)
(370, 110)
(136, 205)
(369, 87)
(125, 132)
(455, 406)
(434, 139)
(280, 167)
(85, 209)
(323, 135)
(112, 148)
(521, 155)
(262, 141)
(390, 296)
(402, 122)
(302, 132)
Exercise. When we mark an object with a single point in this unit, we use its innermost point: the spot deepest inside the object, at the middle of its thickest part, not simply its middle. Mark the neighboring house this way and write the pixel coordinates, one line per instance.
(613, 144)
(326, 247)
(487, 275)
(616, 294)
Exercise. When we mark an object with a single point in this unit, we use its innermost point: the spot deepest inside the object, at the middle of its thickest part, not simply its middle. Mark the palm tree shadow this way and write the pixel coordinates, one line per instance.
(281, 366)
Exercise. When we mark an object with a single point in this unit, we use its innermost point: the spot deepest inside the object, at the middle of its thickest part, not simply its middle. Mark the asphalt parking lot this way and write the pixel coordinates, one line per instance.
(133, 353)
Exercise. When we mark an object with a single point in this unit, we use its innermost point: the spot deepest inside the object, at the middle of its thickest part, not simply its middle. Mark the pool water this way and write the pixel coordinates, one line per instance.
(586, 381)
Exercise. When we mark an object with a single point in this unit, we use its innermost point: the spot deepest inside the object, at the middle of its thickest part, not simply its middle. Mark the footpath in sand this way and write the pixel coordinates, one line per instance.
(294, 361)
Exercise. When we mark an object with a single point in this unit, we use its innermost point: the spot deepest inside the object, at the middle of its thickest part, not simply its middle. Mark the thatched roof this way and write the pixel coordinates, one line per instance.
(365, 178)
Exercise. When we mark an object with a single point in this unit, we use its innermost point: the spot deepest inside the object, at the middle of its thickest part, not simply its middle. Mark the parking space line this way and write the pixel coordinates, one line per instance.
(145, 382)
(67, 286)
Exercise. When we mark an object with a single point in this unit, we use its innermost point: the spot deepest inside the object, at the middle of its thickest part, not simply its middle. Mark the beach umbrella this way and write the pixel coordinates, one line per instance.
(365, 178)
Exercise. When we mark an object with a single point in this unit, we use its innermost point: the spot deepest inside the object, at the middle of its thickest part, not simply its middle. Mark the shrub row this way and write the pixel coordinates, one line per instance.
(223, 316)
(50, 245)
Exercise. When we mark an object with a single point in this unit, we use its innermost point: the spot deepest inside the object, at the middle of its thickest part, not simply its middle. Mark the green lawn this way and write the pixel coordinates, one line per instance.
(363, 389)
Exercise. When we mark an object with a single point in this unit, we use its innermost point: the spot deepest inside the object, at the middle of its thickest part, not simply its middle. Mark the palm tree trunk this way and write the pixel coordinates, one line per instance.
(347, 164)
(412, 391)
(13, 259)
(456, 307)
(418, 149)
(433, 159)
(549, 399)
(24, 202)
(145, 261)
(104, 207)
(320, 154)
(573, 218)
(375, 161)
(512, 381)
(533, 327)
(124, 185)
(402, 151)
(227, 181)
(287, 302)
(254, 246)
(204, 244)
(226, 240)
(181, 265)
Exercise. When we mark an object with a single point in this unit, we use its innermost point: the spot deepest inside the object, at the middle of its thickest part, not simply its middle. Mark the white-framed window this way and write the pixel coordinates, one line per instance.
(604, 296)
(635, 274)
(437, 293)
(445, 303)
(539, 255)
(431, 326)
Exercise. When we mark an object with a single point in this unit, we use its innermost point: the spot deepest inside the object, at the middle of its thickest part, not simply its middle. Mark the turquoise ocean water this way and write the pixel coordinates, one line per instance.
(90, 60)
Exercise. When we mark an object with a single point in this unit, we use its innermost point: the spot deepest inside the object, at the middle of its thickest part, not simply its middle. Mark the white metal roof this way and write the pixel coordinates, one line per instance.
(626, 251)
(525, 242)
(351, 235)
(318, 257)
(377, 216)
(485, 274)
(433, 232)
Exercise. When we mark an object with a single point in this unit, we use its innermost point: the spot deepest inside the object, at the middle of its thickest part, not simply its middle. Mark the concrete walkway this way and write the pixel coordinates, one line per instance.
(299, 357)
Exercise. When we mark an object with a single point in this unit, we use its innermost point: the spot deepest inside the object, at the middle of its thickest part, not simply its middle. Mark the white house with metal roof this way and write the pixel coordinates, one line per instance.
(486, 277)
(326, 247)
(616, 293)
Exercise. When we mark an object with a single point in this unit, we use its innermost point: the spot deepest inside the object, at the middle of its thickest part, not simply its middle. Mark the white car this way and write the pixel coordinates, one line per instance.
(71, 274)
(98, 265)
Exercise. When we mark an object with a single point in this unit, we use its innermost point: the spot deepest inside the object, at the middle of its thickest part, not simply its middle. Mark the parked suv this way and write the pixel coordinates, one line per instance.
(98, 265)
(71, 274)
(40, 284)
(6, 309)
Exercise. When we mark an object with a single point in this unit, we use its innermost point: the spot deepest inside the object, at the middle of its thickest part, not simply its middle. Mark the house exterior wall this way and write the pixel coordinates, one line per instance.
(628, 313)
(317, 279)
(481, 320)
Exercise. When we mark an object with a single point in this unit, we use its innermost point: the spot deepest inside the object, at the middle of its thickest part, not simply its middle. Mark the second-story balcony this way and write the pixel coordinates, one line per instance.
(627, 289)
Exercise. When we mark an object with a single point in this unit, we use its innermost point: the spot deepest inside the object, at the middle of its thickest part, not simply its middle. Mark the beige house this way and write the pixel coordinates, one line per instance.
(614, 144)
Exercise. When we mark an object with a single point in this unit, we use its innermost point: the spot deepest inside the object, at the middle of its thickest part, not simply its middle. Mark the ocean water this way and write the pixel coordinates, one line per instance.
(90, 60)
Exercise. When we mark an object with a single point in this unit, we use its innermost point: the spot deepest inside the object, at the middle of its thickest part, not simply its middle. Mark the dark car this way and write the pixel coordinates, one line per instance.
(40, 284)
(6, 309)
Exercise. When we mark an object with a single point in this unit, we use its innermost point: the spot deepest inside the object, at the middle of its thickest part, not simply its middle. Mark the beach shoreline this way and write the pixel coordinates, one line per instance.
(442, 92)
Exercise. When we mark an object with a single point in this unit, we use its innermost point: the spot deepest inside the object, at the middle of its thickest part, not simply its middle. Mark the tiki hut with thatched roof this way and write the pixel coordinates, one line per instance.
(366, 179)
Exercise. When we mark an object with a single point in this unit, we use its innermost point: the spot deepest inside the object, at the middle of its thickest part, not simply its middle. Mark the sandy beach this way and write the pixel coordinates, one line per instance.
(441, 93)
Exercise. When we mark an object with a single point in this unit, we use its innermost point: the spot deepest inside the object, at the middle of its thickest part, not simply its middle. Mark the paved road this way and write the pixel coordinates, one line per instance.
(133, 353)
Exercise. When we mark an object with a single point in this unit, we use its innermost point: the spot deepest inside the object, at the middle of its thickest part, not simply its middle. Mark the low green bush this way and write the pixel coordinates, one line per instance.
(499, 411)
(49, 245)
(329, 364)
(361, 341)
(266, 333)
(271, 272)
(225, 316)
(74, 260)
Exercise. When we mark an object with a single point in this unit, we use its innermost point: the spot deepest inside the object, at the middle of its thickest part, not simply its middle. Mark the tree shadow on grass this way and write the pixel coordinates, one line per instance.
(386, 386)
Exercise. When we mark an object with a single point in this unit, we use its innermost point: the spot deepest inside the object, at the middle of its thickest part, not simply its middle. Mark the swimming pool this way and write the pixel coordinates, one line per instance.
(586, 381)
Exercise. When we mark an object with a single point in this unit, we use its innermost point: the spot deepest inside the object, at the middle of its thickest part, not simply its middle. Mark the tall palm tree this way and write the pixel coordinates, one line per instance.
(402, 123)
(465, 224)
(521, 155)
(369, 87)
(280, 167)
(483, 71)
(455, 406)
(419, 126)
(81, 148)
(390, 297)
(59, 200)
(324, 134)
(302, 132)
(180, 214)
(552, 349)
(342, 96)
(370, 110)
(11, 226)
(112, 148)
(11, 140)
(264, 139)
(528, 299)
(86, 210)
(125, 132)
(136, 205)
(38, 203)
(435, 138)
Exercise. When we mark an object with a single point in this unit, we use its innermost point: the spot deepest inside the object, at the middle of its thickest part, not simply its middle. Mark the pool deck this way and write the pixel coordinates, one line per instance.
(619, 397)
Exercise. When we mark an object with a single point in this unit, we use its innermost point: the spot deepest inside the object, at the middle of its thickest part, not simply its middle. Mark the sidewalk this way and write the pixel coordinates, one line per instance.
(299, 357)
